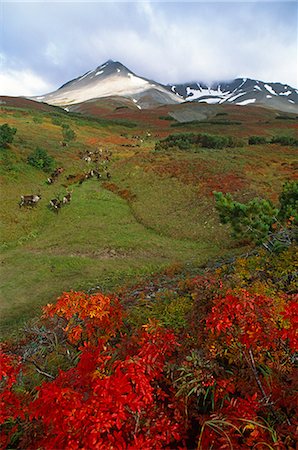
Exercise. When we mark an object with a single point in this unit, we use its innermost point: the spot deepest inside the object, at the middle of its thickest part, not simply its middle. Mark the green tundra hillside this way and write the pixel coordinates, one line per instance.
(141, 186)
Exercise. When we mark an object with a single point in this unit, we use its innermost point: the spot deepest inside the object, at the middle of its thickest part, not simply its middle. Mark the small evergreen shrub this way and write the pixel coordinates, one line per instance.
(40, 159)
(166, 118)
(187, 141)
(68, 133)
(182, 141)
(6, 135)
(57, 121)
(284, 140)
(257, 140)
(212, 141)
(288, 200)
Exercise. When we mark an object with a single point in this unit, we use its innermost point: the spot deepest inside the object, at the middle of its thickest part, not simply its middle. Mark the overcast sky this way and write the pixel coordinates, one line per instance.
(44, 44)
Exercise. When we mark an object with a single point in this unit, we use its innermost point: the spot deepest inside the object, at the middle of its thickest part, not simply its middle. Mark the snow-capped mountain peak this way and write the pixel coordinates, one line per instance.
(109, 79)
(241, 91)
(112, 79)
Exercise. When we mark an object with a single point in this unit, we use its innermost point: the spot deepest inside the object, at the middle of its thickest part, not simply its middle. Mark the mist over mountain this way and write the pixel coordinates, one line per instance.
(114, 79)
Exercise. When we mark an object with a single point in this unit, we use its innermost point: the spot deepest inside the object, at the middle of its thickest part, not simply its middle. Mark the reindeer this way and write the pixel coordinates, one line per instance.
(56, 204)
(29, 200)
(97, 173)
(67, 197)
(55, 175)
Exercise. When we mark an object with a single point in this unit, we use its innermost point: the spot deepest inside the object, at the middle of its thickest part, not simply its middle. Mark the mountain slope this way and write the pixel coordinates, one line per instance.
(110, 79)
(241, 91)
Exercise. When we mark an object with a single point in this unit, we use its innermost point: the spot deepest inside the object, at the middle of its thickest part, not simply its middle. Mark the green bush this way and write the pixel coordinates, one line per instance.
(68, 133)
(258, 218)
(41, 160)
(252, 220)
(57, 121)
(6, 135)
(181, 141)
(288, 200)
(166, 118)
(212, 141)
(284, 140)
(187, 141)
(256, 140)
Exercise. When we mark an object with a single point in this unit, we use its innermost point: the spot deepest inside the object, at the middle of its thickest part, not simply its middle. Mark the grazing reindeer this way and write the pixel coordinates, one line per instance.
(55, 175)
(67, 197)
(56, 204)
(29, 200)
(71, 177)
(87, 175)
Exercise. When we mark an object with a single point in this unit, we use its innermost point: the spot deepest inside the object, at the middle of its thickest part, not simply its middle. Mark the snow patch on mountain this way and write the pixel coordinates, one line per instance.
(210, 100)
(231, 99)
(86, 74)
(269, 88)
(246, 102)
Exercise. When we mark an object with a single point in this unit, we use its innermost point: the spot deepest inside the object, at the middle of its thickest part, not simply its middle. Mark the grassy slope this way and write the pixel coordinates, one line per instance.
(102, 240)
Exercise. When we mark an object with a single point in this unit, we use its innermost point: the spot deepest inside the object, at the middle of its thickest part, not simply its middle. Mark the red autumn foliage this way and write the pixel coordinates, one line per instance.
(244, 318)
(11, 405)
(106, 402)
(87, 316)
(142, 390)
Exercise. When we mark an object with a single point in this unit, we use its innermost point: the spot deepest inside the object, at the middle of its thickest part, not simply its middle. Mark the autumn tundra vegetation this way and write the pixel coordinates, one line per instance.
(159, 309)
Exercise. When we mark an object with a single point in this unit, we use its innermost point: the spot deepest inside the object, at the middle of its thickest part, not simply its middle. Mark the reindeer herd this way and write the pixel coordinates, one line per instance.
(98, 158)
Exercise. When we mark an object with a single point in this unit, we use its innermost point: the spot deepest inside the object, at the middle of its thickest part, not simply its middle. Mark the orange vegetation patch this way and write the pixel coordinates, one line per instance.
(188, 172)
(228, 182)
(199, 173)
(126, 194)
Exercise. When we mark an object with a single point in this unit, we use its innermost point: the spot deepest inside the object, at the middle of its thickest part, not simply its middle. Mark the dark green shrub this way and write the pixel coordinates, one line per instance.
(252, 220)
(68, 133)
(286, 118)
(187, 141)
(288, 200)
(259, 219)
(257, 140)
(57, 121)
(41, 160)
(212, 141)
(182, 141)
(6, 135)
(284, 140)
(166, 118)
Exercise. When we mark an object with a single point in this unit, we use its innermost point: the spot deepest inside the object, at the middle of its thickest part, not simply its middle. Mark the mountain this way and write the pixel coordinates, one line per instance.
(112, 79)
(241, 91)
(109, 80)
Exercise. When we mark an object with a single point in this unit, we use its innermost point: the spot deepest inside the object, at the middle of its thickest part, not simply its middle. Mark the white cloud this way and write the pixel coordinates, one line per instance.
(170, 42)
(23, 82)
(53, 54)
